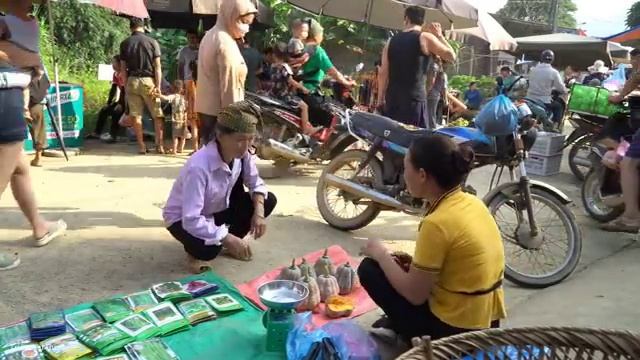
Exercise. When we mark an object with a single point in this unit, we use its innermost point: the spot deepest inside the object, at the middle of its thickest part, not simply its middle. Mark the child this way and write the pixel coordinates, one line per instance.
(296, 46)
(19, 43)
(178, 116)
(283, 83)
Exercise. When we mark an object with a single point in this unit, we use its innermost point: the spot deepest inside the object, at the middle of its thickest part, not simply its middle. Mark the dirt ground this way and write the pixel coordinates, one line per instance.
(116, 242)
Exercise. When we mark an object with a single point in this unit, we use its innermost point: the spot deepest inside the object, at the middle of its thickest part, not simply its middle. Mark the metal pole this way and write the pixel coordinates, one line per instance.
(56, 76)
(555, 5)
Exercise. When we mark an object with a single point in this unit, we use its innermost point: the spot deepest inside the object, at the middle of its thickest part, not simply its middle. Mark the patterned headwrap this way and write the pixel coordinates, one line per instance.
(242, 117)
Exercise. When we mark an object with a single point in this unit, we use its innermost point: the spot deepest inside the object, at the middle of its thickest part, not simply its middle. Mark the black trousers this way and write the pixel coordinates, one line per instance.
(113, 111)
(238, 217)
(407, 320)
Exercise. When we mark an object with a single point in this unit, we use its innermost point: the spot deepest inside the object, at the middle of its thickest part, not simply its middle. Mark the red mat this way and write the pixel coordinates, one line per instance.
(364, 304)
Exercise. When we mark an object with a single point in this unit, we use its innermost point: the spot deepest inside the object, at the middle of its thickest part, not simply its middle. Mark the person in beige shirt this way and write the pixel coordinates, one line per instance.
(221, 68)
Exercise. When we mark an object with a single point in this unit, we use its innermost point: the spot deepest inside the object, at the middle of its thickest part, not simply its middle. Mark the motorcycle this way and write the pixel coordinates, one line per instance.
(601, 191)
(586, 128)
(280, 136)
(371, 181)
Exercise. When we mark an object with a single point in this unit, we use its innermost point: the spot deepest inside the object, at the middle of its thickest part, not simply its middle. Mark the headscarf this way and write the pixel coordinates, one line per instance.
(230, 13)
(241, 117)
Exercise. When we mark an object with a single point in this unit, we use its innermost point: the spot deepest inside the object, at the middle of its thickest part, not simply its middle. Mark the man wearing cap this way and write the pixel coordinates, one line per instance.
(208, 209)
(543, 80)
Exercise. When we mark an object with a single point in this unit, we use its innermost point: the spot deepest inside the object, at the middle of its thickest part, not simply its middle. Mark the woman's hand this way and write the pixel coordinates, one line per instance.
(258, 226)
(374, 249)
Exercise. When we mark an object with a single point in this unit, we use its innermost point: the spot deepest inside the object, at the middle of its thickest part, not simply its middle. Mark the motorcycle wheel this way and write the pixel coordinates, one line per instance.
(365, 214)
(537, 256)
(581, 146)
(593, 203)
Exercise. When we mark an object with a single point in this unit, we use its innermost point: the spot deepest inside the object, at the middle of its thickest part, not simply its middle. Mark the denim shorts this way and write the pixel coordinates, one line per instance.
(12, 123)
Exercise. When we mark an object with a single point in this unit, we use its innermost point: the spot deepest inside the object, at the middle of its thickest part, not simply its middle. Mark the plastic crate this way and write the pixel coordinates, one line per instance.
(543, 165)
(548, 144)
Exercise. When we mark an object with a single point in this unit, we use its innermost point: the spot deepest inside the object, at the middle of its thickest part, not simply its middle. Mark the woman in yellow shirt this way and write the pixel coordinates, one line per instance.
(453, 282)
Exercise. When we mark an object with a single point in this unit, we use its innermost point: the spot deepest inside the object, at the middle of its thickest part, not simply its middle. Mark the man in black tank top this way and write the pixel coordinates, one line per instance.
(405, 61)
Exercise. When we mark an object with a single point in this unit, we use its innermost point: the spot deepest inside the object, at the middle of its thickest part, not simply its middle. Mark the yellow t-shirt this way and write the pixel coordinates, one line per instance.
(459, 239)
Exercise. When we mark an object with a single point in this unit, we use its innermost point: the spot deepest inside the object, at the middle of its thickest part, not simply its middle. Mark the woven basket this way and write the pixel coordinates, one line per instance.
(553, 342)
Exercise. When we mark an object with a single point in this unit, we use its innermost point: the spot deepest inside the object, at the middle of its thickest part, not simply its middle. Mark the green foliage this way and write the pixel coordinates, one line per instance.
(540, 11)
(633, 15)
(171, 42)
(486, 84)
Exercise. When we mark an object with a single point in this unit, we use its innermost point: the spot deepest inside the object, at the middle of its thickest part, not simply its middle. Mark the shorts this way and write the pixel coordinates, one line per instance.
(12, 123)
(138, 96)
(634, 148)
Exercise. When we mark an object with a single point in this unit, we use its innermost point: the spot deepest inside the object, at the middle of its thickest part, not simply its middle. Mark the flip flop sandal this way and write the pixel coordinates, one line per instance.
(58, 229)
(9, 261)
(619, 225)
(198, 266)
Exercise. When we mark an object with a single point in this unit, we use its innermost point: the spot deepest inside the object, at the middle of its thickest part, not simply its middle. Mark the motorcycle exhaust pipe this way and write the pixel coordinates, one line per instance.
(286, 152)
(365, 192)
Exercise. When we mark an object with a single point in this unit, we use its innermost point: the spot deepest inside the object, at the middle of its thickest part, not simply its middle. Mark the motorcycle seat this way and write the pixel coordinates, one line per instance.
(267, 101)
(388, 129)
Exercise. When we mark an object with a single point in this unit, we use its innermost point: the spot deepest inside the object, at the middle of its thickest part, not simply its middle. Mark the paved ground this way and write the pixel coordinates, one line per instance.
(117, 244)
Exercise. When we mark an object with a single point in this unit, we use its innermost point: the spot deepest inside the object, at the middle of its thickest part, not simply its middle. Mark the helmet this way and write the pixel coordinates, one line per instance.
(547, 56)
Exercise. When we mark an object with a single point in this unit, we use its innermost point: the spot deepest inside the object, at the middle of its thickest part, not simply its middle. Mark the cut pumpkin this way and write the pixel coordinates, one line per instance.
(337, 306)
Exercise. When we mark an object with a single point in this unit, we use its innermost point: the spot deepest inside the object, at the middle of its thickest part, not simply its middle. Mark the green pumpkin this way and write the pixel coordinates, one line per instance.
(307, 269)
(324, 265)
(347, 278)
(328, 285)
(291, 272)
(312, 301)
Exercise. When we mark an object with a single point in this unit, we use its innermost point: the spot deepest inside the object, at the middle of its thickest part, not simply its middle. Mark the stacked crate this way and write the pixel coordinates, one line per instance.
(545, 156)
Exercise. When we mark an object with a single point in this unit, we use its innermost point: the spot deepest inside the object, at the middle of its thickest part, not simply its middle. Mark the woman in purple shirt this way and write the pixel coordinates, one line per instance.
(208, 209)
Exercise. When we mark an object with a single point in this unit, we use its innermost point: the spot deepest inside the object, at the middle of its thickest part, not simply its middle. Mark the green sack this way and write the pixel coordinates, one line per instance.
(113, 310)
(592, 100)
(14, 335)
(138, 327)
(105, 339)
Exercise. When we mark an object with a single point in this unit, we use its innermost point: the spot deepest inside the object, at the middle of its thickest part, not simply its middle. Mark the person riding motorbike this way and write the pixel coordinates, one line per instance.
(543, 80)
(630, 219)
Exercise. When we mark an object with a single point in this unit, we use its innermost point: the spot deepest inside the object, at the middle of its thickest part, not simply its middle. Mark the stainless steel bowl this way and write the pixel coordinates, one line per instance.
(282, 294)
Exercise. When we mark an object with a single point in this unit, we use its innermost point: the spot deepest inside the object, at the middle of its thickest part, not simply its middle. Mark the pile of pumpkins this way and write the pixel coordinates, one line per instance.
(326, 284)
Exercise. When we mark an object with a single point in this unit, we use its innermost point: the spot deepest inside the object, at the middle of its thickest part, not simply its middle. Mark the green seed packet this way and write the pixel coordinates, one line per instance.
(22, 352)
(171, 291)
(114, 357)
(14, 335)
(105, 339)
(141, 301)
(47, 319)
(83, 319)
(154, 349)
(113, 310)
(138, 327)
(196, 311)
(167, 318)
(223, 303)
(64, 347)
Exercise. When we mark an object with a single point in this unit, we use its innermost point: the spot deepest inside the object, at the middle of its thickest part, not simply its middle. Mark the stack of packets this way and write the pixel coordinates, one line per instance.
(200, 288)
(15, 343)
(141, 301)
(137, 327)
(44, 325)
(171, 291)
(83, 320)
(114, 357)
(105, 339)
(154, 349)
(196, 311)
(223, 303)
(64, 347)
(167, 318)
(113, 310)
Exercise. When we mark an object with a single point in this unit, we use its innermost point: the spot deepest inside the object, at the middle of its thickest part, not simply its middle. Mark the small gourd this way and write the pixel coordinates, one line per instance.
(339, 306)
(312, 301)
(328, 285)
(348, 279)
(291, 272)
(307, 269)
(324, 264)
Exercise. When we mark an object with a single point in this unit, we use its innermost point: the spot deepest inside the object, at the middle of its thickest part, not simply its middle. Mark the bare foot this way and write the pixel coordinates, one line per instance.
(36, 162)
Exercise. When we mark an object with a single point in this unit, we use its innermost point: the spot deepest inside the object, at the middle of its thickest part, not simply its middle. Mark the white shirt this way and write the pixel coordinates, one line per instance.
(542, 80)
(185, 57)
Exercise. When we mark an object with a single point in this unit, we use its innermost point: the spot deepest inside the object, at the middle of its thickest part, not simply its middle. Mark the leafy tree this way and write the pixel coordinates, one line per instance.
(633, 15)
(540, 11)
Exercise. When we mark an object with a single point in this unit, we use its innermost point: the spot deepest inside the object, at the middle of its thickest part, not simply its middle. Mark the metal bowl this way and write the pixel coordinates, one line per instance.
(282, 294)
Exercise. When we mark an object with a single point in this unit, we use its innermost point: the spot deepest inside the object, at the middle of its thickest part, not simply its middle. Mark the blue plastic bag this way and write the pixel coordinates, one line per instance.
(616, 81)
(302, 337)
(498, 117)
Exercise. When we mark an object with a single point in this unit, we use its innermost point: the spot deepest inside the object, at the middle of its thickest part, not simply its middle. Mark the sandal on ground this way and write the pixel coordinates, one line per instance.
(620, 225)
(9, 261)
(197, 266)
(57, 229)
